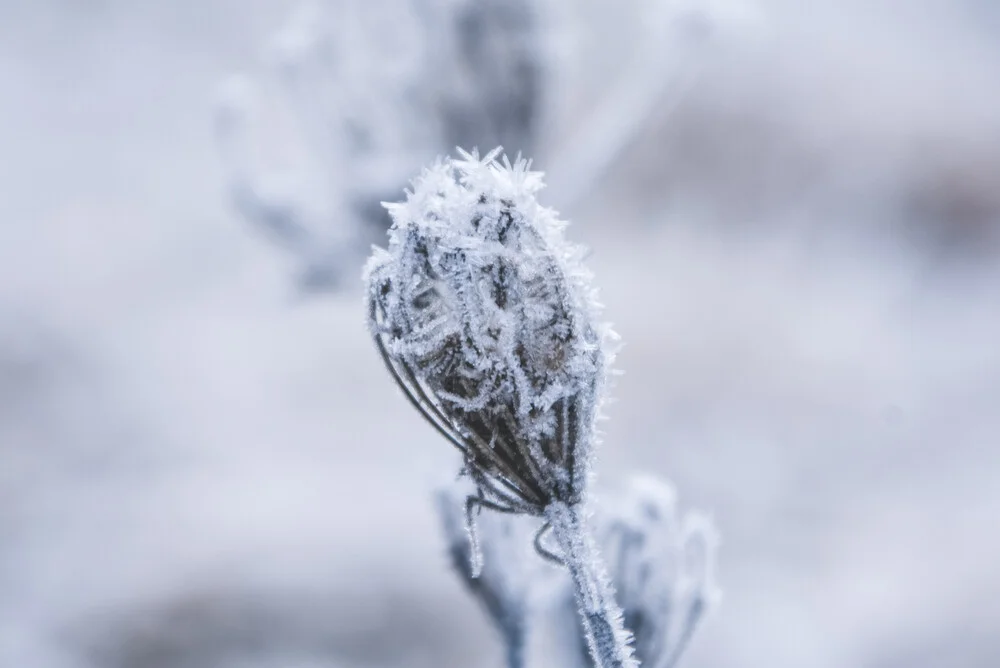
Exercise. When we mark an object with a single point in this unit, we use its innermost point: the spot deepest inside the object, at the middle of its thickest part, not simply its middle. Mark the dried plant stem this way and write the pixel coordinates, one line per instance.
(515, 643)
(601, 616)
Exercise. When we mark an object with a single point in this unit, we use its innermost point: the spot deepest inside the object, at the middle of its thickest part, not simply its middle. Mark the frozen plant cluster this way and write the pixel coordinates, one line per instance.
(661, 564)
(487, 318)
(372, 90)
(375, 89)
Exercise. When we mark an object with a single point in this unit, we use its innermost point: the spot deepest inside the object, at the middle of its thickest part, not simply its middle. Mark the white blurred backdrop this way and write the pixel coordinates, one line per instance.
(202, 465)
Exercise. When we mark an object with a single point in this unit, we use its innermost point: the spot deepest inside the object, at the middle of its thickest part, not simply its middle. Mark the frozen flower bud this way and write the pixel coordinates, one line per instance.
(486, 318)
(661, 565)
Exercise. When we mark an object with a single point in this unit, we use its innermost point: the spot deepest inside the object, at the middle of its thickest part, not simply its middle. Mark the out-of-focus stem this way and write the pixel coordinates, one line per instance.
(515, 646)
(601, 617)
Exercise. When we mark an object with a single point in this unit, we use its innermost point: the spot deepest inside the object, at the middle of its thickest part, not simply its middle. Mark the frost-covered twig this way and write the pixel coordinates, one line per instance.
(505, 579)
(660, 562)
(487, 319)
(373, 89)
(608, 639)
(662, 567)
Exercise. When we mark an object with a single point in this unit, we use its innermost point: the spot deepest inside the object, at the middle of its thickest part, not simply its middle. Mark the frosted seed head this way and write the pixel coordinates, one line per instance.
(487, 318)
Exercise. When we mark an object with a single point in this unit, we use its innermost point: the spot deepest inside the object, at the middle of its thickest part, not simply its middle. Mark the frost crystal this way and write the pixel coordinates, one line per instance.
(486, 317)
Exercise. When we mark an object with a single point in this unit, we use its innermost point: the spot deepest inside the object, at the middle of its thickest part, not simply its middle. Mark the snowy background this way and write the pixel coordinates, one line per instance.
(202, 467)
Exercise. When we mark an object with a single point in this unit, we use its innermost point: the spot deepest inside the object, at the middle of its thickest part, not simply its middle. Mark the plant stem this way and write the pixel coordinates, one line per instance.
(607, 637)
(515, 646)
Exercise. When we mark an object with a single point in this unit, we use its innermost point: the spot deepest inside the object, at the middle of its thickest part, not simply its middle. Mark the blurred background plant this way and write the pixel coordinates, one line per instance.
(372, 90)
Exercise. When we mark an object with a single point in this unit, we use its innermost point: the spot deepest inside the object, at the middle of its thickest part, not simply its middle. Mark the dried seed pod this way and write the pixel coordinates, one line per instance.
(485, 316)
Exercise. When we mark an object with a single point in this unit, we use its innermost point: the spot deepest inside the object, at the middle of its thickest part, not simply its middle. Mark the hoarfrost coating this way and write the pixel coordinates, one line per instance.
(487, 318)
(662, 564)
